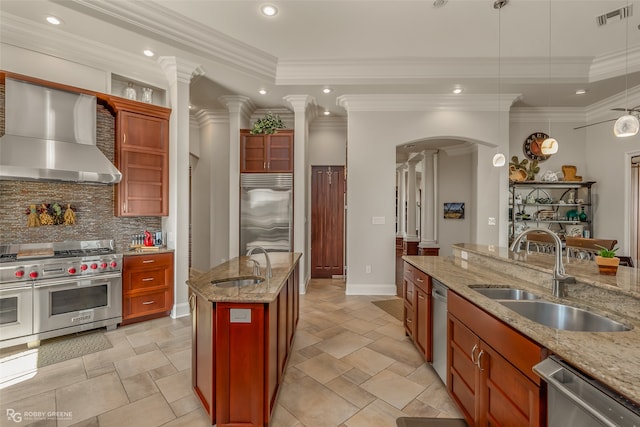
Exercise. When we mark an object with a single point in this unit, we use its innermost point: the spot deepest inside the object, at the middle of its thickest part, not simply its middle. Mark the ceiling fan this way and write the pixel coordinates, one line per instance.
(633, 111)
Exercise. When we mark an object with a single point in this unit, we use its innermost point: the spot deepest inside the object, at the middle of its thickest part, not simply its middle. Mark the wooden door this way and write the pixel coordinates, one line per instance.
(327, 221)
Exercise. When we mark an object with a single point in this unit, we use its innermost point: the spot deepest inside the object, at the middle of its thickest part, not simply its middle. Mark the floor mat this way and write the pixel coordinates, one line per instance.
(392, 306)
(59, 349)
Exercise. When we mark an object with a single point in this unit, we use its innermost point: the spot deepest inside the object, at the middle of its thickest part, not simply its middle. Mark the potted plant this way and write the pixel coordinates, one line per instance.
(607, 261)
(268, 124)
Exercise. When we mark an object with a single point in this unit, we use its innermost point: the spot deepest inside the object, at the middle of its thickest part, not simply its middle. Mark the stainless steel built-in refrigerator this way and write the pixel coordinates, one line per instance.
(266, 211)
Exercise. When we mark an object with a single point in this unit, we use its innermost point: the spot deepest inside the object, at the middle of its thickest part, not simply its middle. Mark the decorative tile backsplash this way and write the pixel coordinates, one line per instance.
(93, 203)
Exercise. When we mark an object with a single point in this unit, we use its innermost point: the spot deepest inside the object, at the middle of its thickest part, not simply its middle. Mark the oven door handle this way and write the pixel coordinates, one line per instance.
(16, 288)
(70, 280)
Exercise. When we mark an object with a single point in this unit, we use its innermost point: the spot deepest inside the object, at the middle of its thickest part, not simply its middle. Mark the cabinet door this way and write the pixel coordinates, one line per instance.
(142, 156)
(422, 323)
(203, 350)
(280, 152)
(253, 153)
(463, 382)
(409, 304)
(509, 398)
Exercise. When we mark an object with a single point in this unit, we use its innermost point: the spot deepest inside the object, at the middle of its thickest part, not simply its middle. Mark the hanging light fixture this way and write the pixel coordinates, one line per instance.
(550, 145)
(627, 125)
(499, 159)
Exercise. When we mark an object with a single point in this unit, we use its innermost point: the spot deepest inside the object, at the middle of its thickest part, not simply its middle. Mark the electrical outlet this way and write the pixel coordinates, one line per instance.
(367, 269)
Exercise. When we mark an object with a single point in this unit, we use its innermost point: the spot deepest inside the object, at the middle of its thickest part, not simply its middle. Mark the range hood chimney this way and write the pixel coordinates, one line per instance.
(50, 135)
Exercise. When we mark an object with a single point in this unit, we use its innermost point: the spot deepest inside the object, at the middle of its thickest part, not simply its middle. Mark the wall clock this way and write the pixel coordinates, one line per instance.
(532, 144)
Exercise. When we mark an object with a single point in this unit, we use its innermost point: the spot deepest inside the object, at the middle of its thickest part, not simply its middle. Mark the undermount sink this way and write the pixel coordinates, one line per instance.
(505, 293)
(565, 317)
(238, 282)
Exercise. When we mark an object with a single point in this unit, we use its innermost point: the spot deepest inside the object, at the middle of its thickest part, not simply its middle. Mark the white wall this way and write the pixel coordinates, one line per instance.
(455, 179)
(328, 142)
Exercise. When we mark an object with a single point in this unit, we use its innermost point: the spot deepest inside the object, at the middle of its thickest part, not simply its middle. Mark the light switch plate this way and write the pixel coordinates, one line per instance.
(240, 315)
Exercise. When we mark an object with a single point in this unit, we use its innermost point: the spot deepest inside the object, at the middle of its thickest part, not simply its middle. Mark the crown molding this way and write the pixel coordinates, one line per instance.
(435, 102)
(614, 64)
(329, 123)
(210, 117)
(554, 114)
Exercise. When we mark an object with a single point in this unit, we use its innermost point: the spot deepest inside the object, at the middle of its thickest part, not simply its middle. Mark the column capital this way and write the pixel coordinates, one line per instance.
(179, 69)
(299, 103)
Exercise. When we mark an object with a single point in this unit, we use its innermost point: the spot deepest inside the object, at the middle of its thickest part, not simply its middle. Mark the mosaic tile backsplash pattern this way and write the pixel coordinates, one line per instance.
(93, 203)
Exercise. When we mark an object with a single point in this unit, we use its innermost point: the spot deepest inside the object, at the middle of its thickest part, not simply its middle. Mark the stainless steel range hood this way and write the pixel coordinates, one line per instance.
(50, 135)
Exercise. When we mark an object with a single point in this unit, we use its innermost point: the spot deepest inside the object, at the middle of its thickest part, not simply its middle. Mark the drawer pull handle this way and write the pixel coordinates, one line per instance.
(192, 302)
(420, 296)
(409, 321)
(147, 261)
(473, 354)
(148, 302)
(480, 360)
(419, 280)
(148, 279)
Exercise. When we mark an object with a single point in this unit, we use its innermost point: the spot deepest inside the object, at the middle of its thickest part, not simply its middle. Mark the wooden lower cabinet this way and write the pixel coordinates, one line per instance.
(489, 369)
(239, 354)
(147, 286)
(417, 308)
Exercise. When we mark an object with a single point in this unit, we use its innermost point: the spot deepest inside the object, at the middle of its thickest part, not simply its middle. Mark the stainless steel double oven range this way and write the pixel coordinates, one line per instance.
(53, 289)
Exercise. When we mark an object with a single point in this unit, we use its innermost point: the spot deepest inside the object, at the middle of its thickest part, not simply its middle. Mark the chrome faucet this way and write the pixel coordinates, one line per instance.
(256, 267)
(560, 278)
(250, 252)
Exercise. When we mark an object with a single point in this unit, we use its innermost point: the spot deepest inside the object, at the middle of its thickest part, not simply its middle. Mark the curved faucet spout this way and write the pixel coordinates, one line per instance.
(250, 252)
(559, 279)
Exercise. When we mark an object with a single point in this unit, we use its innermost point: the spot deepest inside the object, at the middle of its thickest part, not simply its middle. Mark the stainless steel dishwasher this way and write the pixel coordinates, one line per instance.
(574, 399)
(439, 309)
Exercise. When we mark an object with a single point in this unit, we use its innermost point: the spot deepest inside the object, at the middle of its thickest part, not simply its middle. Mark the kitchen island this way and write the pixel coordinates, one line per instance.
(242, 336)
(612, 358)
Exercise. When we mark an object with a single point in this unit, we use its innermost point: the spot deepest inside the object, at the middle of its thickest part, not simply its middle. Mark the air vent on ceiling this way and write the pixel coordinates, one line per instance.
(622, 13)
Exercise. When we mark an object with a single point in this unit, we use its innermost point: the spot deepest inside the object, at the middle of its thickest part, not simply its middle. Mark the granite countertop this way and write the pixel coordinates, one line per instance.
(282, 264)
(610, 357)
(160, 250)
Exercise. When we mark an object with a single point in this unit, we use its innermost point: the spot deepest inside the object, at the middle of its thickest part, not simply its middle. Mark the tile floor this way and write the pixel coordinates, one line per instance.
(351, 366)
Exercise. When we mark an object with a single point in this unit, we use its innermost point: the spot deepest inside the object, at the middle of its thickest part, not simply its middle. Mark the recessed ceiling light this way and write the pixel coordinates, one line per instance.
(269, 10)
(262, 91)
(439, 3)
(327, 113)
(53, 20)
(581, 91)
(457, 90)
(148, 52)
(327, 90)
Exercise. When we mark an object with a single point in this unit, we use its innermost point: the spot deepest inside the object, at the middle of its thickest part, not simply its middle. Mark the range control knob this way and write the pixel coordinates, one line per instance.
(94, 266)
(83, 267)
(19, 274)
(103, 265)
(113, 264)
(72, 270)
(33, 274)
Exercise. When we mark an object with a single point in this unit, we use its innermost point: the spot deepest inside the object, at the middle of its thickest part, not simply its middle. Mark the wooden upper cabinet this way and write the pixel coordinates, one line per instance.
(266, 153)
(142, 156)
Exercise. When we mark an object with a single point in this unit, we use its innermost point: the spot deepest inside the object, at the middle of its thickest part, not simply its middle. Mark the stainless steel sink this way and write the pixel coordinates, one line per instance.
(237, 282)
(565, 317)
(505, 293)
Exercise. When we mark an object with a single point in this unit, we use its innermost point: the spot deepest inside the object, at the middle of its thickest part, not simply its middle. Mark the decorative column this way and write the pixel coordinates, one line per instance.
(400, 200)
(429, 225)
(300, 104)
(179, 73)
(239, 110)
(411, 238)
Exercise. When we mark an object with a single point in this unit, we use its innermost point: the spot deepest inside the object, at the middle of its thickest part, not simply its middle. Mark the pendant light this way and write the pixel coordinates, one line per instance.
(550, 145)
(628, 124)
(499, 159)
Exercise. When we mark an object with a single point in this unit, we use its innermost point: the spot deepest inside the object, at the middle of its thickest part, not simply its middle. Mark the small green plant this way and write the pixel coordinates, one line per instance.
(268, 124)
(607, 253)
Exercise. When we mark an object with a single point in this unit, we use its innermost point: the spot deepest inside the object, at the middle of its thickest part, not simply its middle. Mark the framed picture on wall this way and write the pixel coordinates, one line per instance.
(454, 210)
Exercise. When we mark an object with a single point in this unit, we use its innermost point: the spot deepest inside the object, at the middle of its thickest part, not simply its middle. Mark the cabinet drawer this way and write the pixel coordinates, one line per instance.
(146, 279)
(148, 304)
(150, 261)
(408, 293)
(421, 280)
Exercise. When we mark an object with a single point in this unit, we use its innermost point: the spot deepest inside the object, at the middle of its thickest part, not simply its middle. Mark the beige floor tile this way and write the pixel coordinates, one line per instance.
(177, 342)
(417, 408)
(103, 358)
(402, 351)
(394, 329)
(197, 418)
(436, 395)
(148, 412)
(343, 344)
(310, 351)
(184, 405)
(377, 414)
(180, 359)
(392, 388)
(45, 379)
(351, 392)
(175, 386)
(324, 367)
(360, 326)
(91, 397)
(89, 422)
(162, 371)
(30, 410)
(304, 339)
(315, 405)
(283, 418)
(139, 386)
(356, 376)
(146, 348)
(368, 361)
(140, 363)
